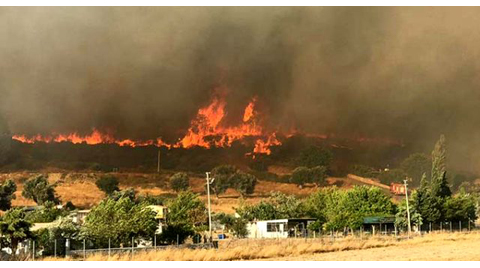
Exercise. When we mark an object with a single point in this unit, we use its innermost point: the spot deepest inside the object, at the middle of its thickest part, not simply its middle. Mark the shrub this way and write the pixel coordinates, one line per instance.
(315, 156)
(179, 181)
(301, 175)
(318, 175)
(244, 183)
(392, 175)
(364, 171)
(108, 184)
(223, 178)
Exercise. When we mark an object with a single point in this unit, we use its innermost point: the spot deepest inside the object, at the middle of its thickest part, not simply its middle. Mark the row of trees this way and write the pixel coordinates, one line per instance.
(433, 202)
(334, 209)
(119, 218)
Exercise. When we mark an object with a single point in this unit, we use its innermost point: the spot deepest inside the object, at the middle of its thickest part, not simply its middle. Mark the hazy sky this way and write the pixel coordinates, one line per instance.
(407, 74)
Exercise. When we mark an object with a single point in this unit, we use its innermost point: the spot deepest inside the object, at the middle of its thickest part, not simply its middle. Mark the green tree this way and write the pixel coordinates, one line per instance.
(48, 213)
(108, 184)
(45, 238)
(461, 207)
(15, 228)
(277, 206)
(438, 161)
(364, 171)
(236, 225)
(439, 183)
(244, 183)
(362, 201)
(119, 220)
(424, 203)
(7, 193)
(401, 218)
(129, 193)
(39, 190)
(415, 165)
(223, 178)
(179, 182)
(392, 175)
(186, 215)
(261, 211)
(316, 206)
(318, 175)
(300, 176)
(315, 156)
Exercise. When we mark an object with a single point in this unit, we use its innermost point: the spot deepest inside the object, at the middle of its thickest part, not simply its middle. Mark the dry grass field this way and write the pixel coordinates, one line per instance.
(80, 188)
(446, 246)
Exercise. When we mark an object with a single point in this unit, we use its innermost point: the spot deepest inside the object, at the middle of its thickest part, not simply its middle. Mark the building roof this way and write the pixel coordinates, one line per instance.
(378, 219)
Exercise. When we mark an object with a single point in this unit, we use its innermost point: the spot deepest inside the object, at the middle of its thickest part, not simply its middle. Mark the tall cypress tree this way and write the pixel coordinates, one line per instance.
(439, 181)
(438, 160)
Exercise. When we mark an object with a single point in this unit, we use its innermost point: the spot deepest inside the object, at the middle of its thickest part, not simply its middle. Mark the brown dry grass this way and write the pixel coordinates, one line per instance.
(449, 246)
(80, 189)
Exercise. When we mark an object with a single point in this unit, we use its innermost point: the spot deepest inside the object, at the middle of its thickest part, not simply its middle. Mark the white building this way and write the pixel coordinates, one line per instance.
(279, 228)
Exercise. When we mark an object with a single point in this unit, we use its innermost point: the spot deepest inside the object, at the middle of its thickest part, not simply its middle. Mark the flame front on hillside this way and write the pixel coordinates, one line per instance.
(206, 130)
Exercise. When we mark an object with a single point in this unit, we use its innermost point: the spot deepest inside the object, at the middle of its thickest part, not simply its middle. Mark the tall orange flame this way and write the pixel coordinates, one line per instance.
(205, 130)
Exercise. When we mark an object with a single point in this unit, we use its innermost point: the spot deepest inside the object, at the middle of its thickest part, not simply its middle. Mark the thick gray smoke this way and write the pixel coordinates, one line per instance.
(406, 74)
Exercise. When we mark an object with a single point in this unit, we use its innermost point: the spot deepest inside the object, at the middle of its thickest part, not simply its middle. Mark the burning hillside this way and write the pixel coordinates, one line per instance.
(206, 130)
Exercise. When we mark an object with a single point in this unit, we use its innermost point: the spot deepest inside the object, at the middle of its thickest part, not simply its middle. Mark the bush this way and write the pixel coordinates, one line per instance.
(301, 175)
(223, 178)
(39, 190)
(108, 184)
(318, 175)
(179, 181)
(392, 175)
(244, 183)
(315, 156)
(364, 171)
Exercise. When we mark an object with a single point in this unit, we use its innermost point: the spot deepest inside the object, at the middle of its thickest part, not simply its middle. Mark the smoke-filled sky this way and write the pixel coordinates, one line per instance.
(407, 74)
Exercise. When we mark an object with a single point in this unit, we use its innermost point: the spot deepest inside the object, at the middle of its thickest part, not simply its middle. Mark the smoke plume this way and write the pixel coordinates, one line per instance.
(405, 74)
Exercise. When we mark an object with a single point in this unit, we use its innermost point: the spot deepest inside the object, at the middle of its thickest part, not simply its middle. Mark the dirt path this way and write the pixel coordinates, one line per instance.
(455, 249)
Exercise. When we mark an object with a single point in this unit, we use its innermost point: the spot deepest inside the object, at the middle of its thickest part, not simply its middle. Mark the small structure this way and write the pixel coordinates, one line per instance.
(279, 228)
(161, 216)
(79, 215)
(397, 188)
(379, 225)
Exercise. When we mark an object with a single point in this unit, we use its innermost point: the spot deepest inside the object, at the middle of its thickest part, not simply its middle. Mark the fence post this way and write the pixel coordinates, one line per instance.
(451, 227)
(469, 225)
(430, 227)
(33, 250)
(460, 223)
(55, 248)
(155, 241)
(109, 247)
(132, 247)
(84, 253)
(178, 240)
(441, 227)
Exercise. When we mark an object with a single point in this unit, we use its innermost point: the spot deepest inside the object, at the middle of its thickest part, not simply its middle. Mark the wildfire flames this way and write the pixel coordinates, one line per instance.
(205, 130)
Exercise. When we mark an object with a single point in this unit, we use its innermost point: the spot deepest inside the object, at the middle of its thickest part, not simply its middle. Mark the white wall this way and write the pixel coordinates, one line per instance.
(259, 229)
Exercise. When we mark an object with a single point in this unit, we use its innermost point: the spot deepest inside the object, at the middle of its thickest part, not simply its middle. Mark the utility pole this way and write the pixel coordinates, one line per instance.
(209, 181)
(408, 209)
(158, 161)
